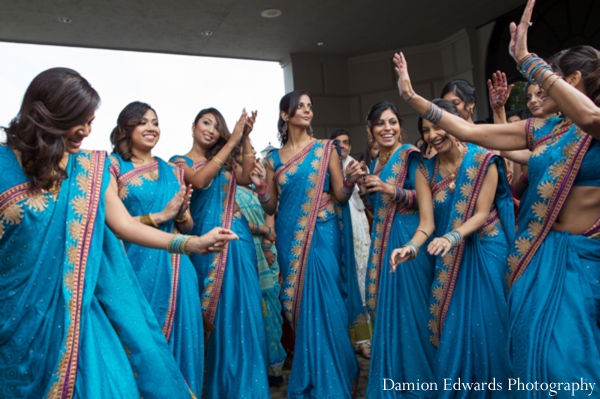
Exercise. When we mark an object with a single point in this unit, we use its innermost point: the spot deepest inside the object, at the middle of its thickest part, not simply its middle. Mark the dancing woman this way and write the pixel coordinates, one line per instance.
(474, 223)
(320, 294)
(74, 321)
(554, 264)
(236, 352)
(151, 189)
(399, 302)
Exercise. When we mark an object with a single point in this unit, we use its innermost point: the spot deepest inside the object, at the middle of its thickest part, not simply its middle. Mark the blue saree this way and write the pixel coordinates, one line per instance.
(168, 281)
(468, 302)
(398, 302)
(321, 298)
(73, 319)
(269, 284)
(554, 311)
(236, 352)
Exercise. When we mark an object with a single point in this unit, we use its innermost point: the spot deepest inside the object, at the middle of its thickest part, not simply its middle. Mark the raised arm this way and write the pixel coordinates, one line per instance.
(264, 181)
(343, 187)
(570, 95)
(202, 177)
(426, 224)
(499, 137)
(242, 176)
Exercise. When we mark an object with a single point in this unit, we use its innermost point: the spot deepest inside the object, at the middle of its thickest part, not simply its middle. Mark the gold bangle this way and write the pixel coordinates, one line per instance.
(184, 219)
(217, 161)
(248, 155)
(148, 220)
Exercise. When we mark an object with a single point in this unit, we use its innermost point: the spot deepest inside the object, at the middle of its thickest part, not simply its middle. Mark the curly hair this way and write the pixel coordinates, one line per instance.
(56, 101)
(224, 135)
(128, 119)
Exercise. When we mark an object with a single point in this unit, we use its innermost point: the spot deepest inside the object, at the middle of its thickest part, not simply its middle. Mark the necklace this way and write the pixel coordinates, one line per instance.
(453, 174)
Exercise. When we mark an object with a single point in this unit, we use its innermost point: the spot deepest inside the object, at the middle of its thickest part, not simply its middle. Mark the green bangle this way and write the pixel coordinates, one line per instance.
(177, 244)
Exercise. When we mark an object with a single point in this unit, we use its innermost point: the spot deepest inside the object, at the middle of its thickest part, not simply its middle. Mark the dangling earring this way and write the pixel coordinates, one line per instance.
(310, 130)
(284, 128)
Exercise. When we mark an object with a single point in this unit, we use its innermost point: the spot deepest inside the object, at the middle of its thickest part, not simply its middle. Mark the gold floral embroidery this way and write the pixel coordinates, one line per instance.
(373, 274)
(539, 150)
(79, 205)
(472, 172)
(13, 214)
(319, 153)
(545, 189)
(391, 181)
(37, 203)
(74, 228)
(539, 209)
(303, 221)
(306, 207)
(456, 223)
(289, 292)
(292, 278)
(379, 228)
(1, 230)
(442, 277)
(438, 293)
(69, 280)
(85, 162)
(513, 261)
(72, 255)
(556, 169)
(461, 207)
(434, 309)
(315, 164)
(466, 189)
(568, 149)
(292, 169)
(299, 235)
(522, 245)
(313, 178)
(123, 192)
(440, 197)
(297, 250)
(534, 227)
(381, 213)
(371, 289)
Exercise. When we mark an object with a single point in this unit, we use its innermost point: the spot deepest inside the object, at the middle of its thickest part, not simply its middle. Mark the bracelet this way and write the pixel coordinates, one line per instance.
(410, 97)
(184, 219)
(177, 244)
(434, 113)
(266, 246)
(348, 185)
(523, 178)
(547, 90)
(414, 249)
(148, 220)
(346, 190)
(454, 237)
(266, 199)
(248, 155)
(270, 231)
(424, 232)
(217, 161)
(263, 192)
(400, 195)
(528, 56)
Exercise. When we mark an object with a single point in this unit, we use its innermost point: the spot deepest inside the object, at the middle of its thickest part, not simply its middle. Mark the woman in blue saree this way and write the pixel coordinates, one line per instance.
(263, 235)
(554, 265)
(73, 319)
(466, 196)
(152, 191)
(231, 298)
(399, 302)
(320, 296)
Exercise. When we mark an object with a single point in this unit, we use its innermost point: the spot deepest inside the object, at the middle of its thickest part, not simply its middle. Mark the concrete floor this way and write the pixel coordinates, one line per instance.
(363, 379)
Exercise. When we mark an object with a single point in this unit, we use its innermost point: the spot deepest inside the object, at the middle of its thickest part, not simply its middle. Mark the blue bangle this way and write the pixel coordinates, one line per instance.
(265, 200)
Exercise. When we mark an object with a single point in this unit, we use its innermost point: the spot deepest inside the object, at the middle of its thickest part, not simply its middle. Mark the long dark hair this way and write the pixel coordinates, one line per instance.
(446, 106)
(289, 105)
(57, 100)
(586, 60)
(463, 90)
(128, 119)
(224, 135)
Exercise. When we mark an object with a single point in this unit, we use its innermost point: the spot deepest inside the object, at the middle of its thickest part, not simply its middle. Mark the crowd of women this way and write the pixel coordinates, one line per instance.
(122, 275)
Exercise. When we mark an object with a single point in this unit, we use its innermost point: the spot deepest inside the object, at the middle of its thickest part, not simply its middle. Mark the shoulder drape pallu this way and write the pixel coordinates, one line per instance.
(554, 301)
(169, 281)
(468, 296)
(398, 302)
(231, 299)
(73, 319)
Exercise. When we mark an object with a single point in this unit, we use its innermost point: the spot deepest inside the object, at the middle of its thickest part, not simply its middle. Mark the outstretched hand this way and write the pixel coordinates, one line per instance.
(518, 34)
(499, 90)
(404, 85)
(239, 128)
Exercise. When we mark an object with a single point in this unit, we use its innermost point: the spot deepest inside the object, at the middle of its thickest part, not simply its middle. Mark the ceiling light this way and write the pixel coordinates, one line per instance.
(320, 44)
(271, 13)
(207, 33)
(65, 20)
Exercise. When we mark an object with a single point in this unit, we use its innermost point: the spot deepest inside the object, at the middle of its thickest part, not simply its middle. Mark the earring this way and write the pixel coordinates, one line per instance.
(310, 130)
(284, 128)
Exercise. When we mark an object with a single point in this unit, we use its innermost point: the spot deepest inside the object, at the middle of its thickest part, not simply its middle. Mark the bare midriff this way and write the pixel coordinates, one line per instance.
(580, 210)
